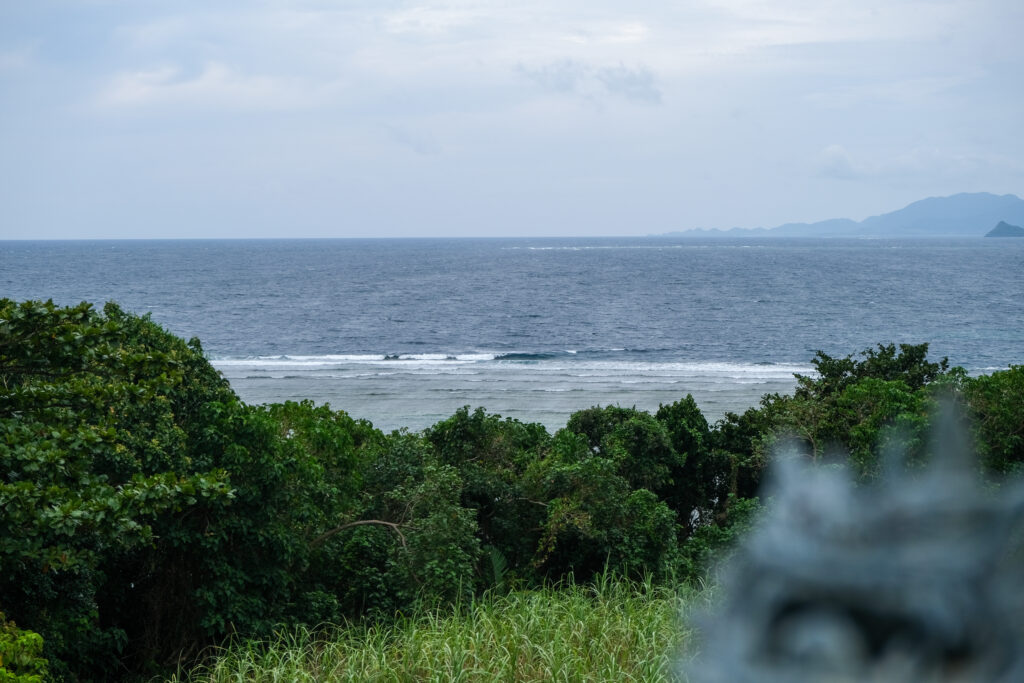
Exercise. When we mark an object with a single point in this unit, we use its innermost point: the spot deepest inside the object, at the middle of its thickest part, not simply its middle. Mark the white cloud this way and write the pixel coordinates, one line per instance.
(750, 24)
(632, 53)
(434, 21)
(609, 33)
(215, 86)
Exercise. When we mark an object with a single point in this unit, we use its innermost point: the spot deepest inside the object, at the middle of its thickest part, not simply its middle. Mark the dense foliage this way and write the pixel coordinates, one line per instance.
(146, 512)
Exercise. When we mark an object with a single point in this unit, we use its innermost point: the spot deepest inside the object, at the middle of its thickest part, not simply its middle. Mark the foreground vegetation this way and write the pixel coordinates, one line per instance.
(146, 514)
(611, 630)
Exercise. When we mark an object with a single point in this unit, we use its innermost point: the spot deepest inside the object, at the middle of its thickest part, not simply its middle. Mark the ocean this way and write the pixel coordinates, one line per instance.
(404, 332)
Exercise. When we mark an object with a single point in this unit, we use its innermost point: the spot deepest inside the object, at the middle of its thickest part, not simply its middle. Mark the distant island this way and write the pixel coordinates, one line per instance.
(1004, 229)
(959, 215)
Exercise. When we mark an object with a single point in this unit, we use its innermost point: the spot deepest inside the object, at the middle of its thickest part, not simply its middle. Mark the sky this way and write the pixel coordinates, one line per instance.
(313, 118)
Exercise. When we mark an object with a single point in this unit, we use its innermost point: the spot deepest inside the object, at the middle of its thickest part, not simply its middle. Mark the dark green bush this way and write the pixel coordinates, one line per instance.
(996, 403)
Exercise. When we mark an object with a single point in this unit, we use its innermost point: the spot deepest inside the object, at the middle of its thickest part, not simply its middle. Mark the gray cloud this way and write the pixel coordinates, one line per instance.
(538, 108)
(563, 76)
(634, 84)
(421, 144)
(943, 165)
(835, 162)
(567, 76)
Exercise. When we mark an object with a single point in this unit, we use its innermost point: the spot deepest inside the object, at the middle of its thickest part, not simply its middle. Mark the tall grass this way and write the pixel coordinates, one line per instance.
(614, 630)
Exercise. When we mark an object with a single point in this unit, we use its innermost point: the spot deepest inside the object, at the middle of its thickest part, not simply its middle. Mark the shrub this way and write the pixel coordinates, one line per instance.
(21, 658)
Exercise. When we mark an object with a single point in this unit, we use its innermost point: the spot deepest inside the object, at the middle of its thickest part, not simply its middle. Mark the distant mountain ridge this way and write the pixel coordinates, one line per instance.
(959, 215)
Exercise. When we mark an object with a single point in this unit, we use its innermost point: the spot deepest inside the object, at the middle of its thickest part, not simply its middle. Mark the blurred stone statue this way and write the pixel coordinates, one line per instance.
(914, 578)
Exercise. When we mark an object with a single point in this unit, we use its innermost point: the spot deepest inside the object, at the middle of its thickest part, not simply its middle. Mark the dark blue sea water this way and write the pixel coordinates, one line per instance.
(402, 332)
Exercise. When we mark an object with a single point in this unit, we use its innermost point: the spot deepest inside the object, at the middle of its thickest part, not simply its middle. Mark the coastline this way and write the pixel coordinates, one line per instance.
(418, 395)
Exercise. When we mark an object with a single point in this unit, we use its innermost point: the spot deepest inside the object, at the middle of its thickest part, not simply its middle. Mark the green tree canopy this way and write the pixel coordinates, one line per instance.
(144, 510)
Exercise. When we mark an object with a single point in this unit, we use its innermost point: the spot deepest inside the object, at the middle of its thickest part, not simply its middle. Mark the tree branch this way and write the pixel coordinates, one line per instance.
(327, 534)
(529, 500)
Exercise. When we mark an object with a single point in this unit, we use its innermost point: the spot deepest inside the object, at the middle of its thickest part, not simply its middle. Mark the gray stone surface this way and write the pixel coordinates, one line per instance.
(917, 578)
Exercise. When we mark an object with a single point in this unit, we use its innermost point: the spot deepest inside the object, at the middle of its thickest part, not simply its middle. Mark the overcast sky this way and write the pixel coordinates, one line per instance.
(313, 118)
